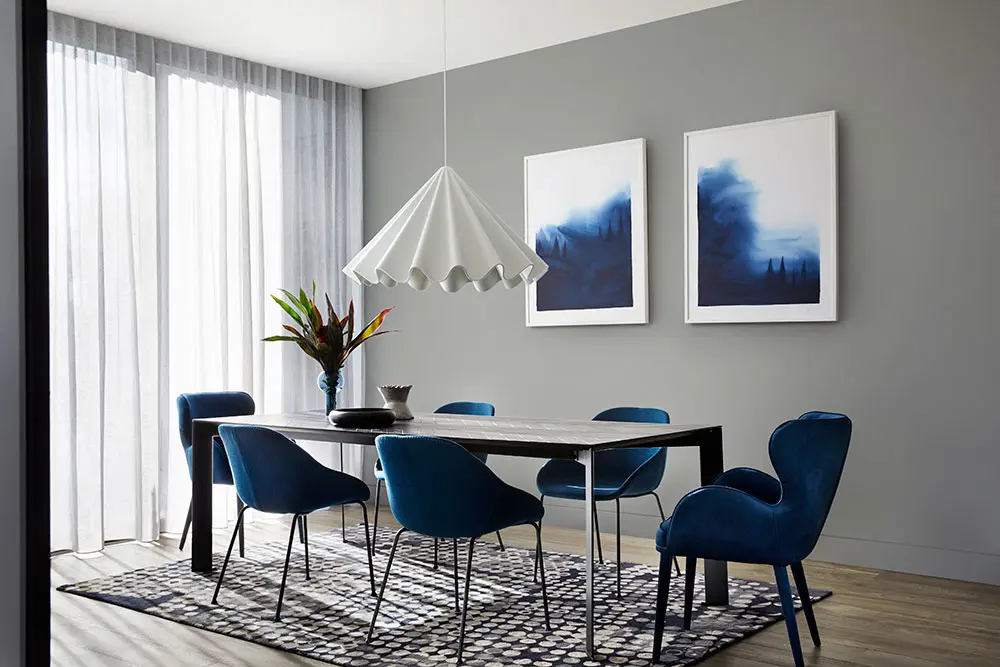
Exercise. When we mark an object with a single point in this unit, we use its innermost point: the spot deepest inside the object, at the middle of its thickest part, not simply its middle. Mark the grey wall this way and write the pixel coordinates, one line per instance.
(913, 359)
(11, 565)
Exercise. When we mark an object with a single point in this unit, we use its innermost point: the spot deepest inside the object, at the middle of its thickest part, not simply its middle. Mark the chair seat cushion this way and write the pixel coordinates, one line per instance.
(564, 479)
(661, 534)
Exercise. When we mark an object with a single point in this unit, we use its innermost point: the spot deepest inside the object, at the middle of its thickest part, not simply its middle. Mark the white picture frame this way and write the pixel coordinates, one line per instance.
(567, 196)
(782, 175)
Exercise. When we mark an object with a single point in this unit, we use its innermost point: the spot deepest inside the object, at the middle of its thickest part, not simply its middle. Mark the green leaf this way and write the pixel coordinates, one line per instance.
(272, 339)
(288, 309)
(303, 307)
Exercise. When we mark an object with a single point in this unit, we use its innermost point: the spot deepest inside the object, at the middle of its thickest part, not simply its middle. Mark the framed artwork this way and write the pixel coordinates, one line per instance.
(760, 204)
(585, 215)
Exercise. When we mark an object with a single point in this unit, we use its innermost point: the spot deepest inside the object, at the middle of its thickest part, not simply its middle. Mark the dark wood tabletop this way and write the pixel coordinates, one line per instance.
(515, 436)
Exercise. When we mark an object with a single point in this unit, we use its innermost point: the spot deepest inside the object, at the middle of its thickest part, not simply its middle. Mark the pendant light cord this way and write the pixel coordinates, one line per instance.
(444, 74)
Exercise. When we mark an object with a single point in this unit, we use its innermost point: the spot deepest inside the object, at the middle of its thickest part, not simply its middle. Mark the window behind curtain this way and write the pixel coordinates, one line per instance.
(186, 187)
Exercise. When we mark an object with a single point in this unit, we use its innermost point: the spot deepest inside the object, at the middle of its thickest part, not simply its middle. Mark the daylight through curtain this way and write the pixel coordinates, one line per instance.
(186, 187)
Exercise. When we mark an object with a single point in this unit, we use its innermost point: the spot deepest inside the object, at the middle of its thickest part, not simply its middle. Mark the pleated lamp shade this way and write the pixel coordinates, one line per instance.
(446, 234)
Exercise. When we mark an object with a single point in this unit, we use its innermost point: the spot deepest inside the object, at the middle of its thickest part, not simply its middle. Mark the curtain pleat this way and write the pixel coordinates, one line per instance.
(185, 188)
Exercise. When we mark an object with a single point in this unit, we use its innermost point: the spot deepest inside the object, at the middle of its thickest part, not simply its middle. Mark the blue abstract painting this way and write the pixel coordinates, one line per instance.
(741, 259)
(585, 214)
(589, 257)
(761, 217)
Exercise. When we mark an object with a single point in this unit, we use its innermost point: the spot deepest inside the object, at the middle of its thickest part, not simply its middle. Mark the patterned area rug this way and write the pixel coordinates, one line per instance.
(327, 617)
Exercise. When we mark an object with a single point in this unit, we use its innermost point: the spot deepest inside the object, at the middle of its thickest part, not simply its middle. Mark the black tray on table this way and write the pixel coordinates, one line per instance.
(361, 417)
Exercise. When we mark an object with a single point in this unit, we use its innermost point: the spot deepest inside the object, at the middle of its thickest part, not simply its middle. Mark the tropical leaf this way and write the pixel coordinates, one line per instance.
(288, 309)
(315, 317)
(351, 348)
(330, 312)
(303, 307)
(372, 327)
(272, 339)
(350, 323)
(295, 332)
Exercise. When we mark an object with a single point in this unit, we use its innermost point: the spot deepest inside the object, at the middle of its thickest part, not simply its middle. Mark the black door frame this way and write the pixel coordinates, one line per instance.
(35, 363)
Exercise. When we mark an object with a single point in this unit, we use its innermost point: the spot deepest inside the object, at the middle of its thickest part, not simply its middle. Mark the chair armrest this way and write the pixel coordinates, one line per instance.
(756, 483)
(722, 523)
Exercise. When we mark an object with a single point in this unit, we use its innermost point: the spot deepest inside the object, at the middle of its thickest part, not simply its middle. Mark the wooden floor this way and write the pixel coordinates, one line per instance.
(874, 619)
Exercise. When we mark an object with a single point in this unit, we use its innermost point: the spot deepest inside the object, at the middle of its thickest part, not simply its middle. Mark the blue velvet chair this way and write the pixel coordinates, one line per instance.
(207, 406)
(748, 516)
(471, 408)
(618, 473)
(438, 489)
(273, 474)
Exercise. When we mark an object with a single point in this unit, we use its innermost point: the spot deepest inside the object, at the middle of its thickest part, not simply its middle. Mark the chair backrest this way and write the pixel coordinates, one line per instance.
(208, 405)
(471, 408)
(270, 471)
(808, 454)
(622, 463)
(435, 486)
(474, 408)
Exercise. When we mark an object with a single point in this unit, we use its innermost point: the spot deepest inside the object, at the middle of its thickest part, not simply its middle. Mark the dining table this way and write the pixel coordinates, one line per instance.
(533, 437)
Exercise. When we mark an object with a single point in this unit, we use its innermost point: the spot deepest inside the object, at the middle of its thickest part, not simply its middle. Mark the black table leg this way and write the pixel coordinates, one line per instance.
(201, 495)
(716, 571)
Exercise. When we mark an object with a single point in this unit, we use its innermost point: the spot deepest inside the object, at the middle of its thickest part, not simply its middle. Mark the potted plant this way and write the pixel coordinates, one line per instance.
(329, 342)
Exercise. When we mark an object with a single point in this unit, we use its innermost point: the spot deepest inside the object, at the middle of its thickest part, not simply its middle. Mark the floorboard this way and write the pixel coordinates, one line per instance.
(874, 619)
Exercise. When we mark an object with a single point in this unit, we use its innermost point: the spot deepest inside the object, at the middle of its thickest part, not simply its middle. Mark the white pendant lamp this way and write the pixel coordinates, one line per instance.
(446, 234)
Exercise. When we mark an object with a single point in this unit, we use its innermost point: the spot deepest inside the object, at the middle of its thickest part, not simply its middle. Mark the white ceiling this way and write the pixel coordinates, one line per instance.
(372, 43)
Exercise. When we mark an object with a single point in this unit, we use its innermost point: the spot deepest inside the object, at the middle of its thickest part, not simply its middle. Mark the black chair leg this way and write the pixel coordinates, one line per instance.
(465, 603)
(455, 560)
(788, 609)
(302, 529)
(662, 595)
(535, 575)
(692, 568)
(187, 527)
(597, 533)
(378, 494)
(500, 542)
(229, 552)
(435, 553)
(540, 559)
(618, 546)
(807, 606)
(305, 542)
(284, 574)
(385, 578)
(368, 547)
(663, 517)
(240, 506)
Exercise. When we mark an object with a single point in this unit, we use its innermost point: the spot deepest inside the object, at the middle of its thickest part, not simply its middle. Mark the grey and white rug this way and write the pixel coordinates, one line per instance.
(327, 617)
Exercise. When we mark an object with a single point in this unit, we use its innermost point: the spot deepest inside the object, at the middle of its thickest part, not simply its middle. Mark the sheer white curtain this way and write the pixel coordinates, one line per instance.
(186, 187)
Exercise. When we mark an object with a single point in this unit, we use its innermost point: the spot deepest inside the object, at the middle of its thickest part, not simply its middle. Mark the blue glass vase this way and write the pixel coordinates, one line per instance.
(331, 393)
